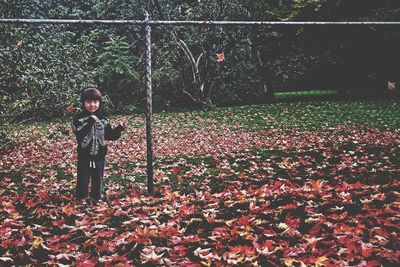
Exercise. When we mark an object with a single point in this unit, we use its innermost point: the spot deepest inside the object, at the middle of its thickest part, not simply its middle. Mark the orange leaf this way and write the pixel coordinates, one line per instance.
(317, 184)
(391, 85)
(70, 109)
(220, 57)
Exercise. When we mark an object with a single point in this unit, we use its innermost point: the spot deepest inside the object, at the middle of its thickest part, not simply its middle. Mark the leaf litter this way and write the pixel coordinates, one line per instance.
(225, 195)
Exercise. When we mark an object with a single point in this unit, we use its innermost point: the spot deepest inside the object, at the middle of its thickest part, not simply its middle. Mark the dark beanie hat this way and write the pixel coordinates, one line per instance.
(90, 93)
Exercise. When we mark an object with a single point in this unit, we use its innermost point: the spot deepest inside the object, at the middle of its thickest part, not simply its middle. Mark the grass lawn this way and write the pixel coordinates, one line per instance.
(286, 184)
(319, 93)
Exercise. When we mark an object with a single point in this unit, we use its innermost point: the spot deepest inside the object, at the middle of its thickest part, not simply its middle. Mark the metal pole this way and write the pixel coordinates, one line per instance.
(150, 186)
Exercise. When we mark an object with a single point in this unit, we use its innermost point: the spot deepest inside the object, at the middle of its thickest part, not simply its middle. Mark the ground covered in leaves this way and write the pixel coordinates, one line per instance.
(301, 184)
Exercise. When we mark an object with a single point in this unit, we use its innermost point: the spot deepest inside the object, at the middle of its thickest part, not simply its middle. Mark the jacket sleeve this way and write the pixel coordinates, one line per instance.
(112, 134)
(81, 127)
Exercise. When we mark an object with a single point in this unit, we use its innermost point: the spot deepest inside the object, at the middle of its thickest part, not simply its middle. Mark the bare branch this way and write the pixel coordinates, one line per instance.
(189, 55)
(190, 96)
(198, 59)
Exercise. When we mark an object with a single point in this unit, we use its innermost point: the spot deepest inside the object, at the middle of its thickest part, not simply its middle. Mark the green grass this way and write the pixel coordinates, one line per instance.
(309, 115)
(283, 95)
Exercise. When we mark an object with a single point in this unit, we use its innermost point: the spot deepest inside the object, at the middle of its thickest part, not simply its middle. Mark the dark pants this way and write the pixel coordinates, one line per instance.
(86, 172)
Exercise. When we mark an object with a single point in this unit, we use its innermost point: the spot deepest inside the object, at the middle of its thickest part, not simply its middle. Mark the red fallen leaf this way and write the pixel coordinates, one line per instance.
(151, 256)
(27, 232)
(176, 170)
(315, 229)
(268, 244)
(87, 263)
(179, 178)
(220, 57)
(106, 260)
(289, 207)
(10, 210)
(244, 221)
(235, 230)
(389, 210)
(367, 252)
(247, 251)
(134, 193)
(201, 252)
(338, 217)
(190, 239)
(121, 259)
(81, 222)
(188, 210)
(14, 243)
(70, 109)
(169, 231)
(68, 210)
(58, 222)
(120, 212)
(5, 231)
(42, 195)
(31, 203)
(269, 232)
(291, 221)
(180, 250)
(103, 233)
(64, 256)
(278, 184)
(102, 248)
(303, 162)
(353, 249)
(145, 232)
(242, 176)
(220, 231)
(23, 198)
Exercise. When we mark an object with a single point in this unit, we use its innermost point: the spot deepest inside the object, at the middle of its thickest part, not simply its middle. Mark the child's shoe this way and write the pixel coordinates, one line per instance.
(97, 202)
(85, 206)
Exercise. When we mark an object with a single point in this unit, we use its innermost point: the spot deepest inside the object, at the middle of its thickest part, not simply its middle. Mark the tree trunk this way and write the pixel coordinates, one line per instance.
(198, 95)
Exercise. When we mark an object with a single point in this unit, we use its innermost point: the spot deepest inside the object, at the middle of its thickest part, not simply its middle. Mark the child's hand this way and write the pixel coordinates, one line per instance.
(124, 125)
(95, 118)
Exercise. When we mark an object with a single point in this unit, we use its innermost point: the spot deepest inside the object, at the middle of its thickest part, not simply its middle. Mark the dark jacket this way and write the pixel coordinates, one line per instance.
(91, 135)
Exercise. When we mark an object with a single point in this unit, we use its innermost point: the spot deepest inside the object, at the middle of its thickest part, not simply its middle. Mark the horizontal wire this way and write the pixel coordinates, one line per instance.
(191, 22)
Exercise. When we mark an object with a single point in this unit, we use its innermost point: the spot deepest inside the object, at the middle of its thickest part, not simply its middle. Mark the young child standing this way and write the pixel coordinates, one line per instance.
(92, 129)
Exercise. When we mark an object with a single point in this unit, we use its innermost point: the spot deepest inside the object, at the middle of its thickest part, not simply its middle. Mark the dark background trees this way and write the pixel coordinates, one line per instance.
(44, 67)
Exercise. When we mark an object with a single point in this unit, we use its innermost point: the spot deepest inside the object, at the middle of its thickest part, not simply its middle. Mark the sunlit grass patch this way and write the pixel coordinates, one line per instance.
(283, 95)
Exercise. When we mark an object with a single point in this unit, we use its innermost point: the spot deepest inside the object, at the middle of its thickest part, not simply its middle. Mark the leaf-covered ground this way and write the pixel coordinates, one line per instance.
(313, 184)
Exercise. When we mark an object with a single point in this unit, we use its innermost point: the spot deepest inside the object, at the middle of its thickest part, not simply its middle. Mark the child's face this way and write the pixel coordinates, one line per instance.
(91, 105)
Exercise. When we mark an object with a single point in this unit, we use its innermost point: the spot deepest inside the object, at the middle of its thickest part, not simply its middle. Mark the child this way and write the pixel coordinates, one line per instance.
(92, 129)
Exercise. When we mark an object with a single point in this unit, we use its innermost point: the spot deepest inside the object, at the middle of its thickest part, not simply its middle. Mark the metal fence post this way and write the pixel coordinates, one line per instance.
(150, 186)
